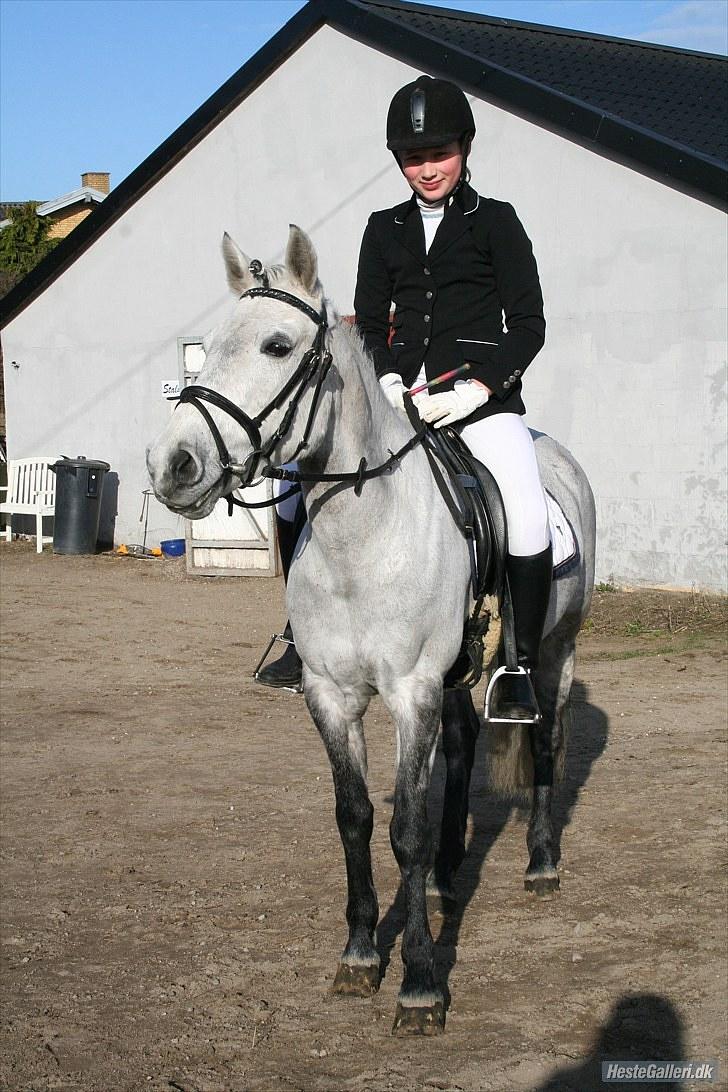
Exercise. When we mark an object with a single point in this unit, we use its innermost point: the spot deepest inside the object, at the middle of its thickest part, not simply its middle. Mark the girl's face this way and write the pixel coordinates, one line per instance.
(433, 172)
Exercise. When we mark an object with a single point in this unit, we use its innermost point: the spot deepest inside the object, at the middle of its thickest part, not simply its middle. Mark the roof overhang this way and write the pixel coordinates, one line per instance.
(605, 133)
(86, 195)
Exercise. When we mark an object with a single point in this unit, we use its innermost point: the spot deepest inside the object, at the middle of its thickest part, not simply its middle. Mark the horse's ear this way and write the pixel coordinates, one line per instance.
(301, 259)
(237, 265)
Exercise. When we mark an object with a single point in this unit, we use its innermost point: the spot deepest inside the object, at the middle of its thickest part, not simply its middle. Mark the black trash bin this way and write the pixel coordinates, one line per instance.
(79, 485)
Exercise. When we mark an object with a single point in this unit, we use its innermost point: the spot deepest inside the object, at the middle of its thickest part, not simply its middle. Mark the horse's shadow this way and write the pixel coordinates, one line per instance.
(489, 815)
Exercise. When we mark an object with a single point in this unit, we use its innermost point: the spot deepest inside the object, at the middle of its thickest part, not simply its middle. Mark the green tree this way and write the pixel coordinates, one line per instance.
(22, 244)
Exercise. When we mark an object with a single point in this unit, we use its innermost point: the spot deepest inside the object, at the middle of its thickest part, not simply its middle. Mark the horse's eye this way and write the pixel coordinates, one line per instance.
(276, 347)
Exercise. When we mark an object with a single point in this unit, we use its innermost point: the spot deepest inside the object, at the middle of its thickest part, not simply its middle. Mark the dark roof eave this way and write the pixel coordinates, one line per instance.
(664, 159)
(541, 28)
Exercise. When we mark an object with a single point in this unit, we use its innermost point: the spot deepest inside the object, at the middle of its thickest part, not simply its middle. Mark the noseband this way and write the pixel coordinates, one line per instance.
(314, 364)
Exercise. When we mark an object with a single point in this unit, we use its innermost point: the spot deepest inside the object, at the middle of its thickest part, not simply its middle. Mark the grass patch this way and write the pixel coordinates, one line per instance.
(691, 642)
(637, 628)
(652, 614)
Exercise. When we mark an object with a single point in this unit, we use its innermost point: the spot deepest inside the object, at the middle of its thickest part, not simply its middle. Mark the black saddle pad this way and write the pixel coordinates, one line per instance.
(480, 504)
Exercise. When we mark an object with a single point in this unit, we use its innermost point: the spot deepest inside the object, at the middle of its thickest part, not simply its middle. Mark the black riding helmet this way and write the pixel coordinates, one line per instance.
(426, 113)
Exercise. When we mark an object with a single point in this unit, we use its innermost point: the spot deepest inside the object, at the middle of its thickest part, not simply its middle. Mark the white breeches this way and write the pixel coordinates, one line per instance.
(286, 509)
(504, 444)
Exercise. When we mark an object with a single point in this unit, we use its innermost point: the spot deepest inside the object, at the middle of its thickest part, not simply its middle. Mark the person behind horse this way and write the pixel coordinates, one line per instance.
(457, 267)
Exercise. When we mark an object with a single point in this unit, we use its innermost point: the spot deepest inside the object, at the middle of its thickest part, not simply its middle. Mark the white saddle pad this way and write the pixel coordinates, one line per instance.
(563, 539)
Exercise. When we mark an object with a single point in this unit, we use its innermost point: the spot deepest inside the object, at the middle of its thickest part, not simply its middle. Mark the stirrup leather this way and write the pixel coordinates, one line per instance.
(492, 686)
(285, 641)
(466, 672)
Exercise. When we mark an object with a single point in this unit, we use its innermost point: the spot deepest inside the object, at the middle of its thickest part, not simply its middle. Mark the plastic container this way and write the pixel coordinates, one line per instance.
(173, 547)
(79, 488)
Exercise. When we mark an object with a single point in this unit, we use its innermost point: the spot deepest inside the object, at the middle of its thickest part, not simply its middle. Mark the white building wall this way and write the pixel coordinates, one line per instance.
(633, 375)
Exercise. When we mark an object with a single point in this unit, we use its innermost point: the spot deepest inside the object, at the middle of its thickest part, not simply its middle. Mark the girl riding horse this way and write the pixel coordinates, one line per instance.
(460, 272)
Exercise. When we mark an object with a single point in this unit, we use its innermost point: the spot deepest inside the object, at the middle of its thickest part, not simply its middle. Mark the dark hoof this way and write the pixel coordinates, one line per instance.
(419, 1021)
(546, 884)
(356, 980)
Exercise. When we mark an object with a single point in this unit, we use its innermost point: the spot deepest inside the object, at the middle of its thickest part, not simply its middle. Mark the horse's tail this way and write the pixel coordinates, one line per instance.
(510, 762)
(510, 766)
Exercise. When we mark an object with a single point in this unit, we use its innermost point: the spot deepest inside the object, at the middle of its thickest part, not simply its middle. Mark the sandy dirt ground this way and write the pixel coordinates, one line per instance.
(173, 886)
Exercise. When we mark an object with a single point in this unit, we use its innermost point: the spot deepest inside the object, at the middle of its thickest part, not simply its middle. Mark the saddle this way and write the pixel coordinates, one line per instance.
(473, 497)
(474, 500)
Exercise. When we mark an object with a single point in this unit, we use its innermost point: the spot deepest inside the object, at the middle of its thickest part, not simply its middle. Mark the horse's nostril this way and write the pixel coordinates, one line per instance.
(184, 467)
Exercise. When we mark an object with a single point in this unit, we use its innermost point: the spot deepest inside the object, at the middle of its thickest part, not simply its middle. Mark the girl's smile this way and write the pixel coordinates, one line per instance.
(433, 173)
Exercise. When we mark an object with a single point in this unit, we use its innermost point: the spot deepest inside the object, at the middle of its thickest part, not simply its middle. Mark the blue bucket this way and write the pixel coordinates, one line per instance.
(173, 547)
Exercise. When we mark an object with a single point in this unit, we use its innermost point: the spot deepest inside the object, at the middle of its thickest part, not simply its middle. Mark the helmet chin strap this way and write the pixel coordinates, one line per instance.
(445, 201)
(465, 146)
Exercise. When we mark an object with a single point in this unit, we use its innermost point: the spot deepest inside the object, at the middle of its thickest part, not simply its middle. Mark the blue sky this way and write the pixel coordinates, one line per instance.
(97, 85)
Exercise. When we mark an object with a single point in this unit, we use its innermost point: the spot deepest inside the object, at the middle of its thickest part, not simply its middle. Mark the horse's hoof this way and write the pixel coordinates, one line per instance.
(409, 1020)
(357, 980)
(542, 884)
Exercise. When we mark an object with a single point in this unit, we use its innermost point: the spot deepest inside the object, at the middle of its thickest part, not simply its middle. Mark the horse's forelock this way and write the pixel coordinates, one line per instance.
(276, 273)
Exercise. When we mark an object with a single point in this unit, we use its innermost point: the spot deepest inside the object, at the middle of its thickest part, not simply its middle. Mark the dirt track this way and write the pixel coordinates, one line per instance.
(173, 883)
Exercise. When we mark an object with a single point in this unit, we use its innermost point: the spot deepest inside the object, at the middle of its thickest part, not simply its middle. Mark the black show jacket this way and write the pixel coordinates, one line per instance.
(451, 302)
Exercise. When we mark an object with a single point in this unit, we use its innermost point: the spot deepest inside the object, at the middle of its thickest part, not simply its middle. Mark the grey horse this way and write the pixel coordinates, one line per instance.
(377, 594)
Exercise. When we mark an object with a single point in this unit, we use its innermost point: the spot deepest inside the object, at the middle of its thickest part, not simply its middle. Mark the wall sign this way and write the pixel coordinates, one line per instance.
(170, 388)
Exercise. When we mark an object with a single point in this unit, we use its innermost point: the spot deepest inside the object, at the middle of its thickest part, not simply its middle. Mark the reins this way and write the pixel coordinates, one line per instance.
(358, 477)
(314, 364)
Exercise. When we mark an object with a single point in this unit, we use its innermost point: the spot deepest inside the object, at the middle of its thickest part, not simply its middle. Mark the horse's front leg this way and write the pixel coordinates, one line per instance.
(338, 719)
(420, 1006)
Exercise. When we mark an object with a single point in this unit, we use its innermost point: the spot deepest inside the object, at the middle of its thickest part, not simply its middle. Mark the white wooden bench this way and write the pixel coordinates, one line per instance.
(31, 491)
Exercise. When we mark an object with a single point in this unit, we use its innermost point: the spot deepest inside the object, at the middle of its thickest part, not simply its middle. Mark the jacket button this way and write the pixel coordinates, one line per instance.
(427, 318)
(506, 383)
(427, 341)
(517, 373)
(426, 271)
(428, 295)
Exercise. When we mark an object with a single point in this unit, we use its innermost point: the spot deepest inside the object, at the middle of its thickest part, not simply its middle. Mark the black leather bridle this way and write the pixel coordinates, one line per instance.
(314, 366)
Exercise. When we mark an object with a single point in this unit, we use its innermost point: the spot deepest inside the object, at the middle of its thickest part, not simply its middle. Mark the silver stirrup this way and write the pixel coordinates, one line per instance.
(489, 694)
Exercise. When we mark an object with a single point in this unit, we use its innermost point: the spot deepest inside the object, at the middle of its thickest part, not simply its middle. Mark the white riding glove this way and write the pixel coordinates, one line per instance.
(454, 405)
(394, 389)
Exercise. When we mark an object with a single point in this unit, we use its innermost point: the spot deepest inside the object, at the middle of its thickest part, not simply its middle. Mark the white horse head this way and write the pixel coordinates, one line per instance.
(249, 360)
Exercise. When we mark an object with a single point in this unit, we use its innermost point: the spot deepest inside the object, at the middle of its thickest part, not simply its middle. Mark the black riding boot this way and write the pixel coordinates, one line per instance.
(286, 670)
(529, 580)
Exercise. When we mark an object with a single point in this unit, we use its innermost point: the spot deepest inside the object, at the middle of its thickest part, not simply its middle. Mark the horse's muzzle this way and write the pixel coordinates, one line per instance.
(177, 475)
